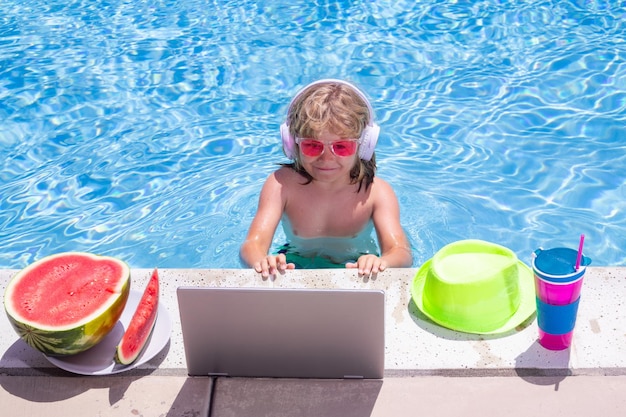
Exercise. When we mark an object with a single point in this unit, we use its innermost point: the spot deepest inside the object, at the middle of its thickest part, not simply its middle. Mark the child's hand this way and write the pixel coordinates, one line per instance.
(272, 265)
(368, 265)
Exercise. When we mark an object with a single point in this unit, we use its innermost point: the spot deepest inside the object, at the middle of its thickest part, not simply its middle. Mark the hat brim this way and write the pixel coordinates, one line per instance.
(527, 306)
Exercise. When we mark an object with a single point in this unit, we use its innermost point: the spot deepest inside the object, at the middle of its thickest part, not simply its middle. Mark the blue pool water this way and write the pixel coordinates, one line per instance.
(144, 130)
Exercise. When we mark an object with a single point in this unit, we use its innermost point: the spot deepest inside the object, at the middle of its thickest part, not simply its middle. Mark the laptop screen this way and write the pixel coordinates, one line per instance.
(271, 332)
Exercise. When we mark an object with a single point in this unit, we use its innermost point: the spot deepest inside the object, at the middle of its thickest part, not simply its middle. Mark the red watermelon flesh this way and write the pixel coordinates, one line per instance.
(66, 303)
(67, 289)
(141, 324)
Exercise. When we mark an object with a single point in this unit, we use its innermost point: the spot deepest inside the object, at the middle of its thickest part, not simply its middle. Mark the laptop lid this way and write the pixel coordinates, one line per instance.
(272, 332)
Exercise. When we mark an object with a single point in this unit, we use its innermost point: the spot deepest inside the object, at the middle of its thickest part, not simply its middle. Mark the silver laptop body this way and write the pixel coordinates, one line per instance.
(292, 333)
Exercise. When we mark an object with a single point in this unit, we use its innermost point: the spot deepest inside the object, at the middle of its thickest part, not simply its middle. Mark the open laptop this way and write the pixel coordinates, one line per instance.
(292, 333)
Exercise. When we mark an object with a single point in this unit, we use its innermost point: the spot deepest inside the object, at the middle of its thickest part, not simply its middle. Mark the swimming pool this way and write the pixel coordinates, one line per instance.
(144, 130)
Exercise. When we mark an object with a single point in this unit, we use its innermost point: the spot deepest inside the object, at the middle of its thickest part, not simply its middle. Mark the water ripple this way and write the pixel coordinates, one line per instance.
(145, 129)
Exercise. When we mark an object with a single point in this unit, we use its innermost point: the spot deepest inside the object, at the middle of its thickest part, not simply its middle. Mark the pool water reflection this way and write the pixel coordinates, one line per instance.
(144, 130)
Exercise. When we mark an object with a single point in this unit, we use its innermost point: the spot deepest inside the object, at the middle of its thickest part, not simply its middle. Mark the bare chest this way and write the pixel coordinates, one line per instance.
(324, 215)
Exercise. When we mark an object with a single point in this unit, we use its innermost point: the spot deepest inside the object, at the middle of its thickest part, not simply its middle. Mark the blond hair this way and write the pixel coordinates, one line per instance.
(337, 108)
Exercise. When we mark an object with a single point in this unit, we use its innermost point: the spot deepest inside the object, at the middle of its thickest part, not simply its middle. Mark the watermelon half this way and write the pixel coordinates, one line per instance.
(66, 303)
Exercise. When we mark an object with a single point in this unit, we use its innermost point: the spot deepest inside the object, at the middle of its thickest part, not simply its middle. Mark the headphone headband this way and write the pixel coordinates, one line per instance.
(369, 136)
(336, 81)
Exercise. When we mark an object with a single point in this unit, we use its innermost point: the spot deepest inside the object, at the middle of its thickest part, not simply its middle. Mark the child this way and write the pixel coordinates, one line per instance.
(327, 198)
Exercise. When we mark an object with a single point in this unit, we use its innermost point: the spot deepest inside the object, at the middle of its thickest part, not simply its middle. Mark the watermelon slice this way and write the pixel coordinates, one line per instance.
(140, 327)
(66, 303)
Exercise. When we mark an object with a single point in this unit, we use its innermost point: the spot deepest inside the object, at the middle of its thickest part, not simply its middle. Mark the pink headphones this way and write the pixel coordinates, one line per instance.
(367, 141)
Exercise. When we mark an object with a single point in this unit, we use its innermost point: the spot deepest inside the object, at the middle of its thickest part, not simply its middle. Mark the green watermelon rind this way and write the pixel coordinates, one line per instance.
(80, 336)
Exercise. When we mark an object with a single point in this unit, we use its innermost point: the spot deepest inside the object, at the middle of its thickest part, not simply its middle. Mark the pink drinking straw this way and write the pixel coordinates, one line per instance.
(580, 251)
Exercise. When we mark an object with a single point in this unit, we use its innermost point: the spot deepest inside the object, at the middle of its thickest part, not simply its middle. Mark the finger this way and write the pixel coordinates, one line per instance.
(271, 264)
(371, 265)
(366, 267)
(375, 266)
(281, 262)
(262, 268)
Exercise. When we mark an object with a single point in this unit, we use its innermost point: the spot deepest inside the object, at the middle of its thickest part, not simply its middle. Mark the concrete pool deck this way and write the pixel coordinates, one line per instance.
(428, 369)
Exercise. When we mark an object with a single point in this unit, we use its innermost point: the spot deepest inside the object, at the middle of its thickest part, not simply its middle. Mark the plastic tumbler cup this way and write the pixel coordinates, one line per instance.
(558, 285)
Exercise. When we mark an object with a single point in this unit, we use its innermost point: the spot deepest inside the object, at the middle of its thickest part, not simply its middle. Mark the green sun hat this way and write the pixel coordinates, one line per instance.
(475, 286)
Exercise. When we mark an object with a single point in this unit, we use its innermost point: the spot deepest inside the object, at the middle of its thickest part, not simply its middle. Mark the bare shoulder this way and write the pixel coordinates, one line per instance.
(280, 180)
(287, 177)
(382, 189)
(279, 176)
(285, 173)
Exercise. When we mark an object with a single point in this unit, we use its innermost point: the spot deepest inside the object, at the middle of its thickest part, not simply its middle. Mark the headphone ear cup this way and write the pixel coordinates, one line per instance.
(289, 143)
(368, 141)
